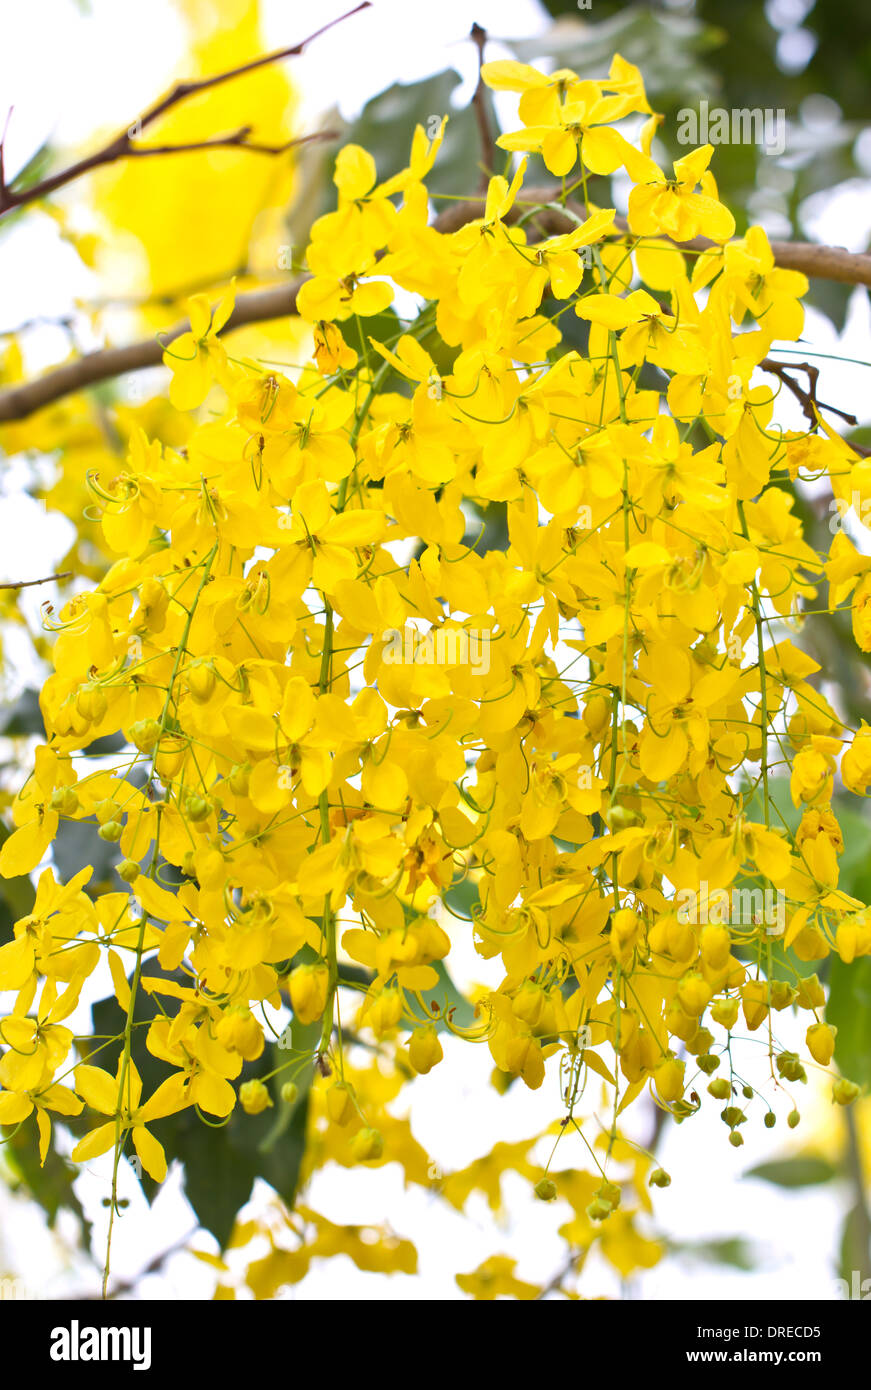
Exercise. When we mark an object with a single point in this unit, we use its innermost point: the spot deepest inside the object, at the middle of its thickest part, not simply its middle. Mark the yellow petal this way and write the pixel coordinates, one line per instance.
(97, 1088)
(151, 1153)
(99, 1141)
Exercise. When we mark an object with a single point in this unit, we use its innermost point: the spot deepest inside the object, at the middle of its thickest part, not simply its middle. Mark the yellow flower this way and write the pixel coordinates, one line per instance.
(15, 1106)
(658, 204)
(198, 356)
(119, 1097)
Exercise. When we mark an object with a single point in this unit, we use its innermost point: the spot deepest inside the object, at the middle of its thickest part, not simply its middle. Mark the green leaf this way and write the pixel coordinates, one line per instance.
(800, 1171)
(17, 896)
(221, 1164)
(386, 126)
(22, 716)
(849, 1010)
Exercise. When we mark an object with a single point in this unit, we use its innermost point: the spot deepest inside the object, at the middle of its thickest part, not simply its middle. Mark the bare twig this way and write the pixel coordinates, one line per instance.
(816, 261)
(806, 399)
(18, 402)
(28, 583)
(2, 151)
(122, 146)
(258, 306)
(238, 140)
(479, 101)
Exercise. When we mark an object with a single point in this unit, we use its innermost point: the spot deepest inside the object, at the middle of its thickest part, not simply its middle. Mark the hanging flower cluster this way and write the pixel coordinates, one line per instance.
(339, 708)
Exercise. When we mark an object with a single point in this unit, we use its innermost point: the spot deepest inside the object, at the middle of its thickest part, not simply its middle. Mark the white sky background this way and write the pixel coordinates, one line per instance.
(95, 73)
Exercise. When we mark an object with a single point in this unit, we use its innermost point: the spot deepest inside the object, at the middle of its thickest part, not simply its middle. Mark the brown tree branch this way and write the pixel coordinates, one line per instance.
(258, 306)
(238, 140)
(122, 147)
(479, 101)
(17, 402)
(3, 148)
(806, 399)
(812, 259)
(28, 583)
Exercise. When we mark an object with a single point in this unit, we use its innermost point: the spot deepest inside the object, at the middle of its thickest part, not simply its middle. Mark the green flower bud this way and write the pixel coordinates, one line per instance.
(545, 1190)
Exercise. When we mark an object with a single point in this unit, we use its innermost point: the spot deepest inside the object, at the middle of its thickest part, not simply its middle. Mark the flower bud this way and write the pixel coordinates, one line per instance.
(669, 1079)
(681, 939)
(111, 831)
(781, 994)
(239, 1031)
(725, 1012)
(545, 1190)
(701, 1042)
(144, 734)
(625, 930)
(659, 1178)
(528, 1003)
(340, 1103)
(308, 991)
(425, 1049)
(197, 809)
(169, 756)
(619, 817)
(201, 680)
(820, 1039)
(694, 995)
(367, 1145)
(810, 993)
(599, 1210)
(385, 1011)
(715, 945)
(754, 1001)
(240, 777)
(733, 1117)
(720, 1088)
(289, 1092)
(610, 1193)
(91, 703)
(597, 714)
(844, 1092)
(128, 869)
(65, 800)
(254, 1097)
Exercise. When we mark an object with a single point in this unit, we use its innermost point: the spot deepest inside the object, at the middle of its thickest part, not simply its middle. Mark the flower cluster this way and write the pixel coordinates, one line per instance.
(303, 820)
